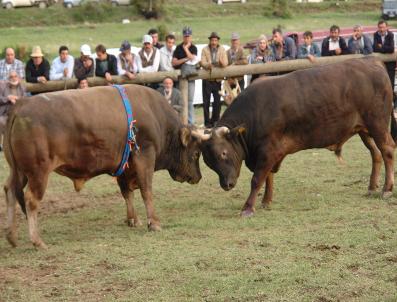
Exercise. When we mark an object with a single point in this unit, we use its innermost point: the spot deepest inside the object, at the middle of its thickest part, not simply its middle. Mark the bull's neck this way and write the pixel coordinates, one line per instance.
(170, 156)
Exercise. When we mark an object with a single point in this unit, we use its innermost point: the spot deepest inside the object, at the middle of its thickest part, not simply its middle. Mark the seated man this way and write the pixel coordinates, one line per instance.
(62, 66)
(106, 64)
(359, 43)
(333, 45)
(126, 61)
(172, 95)
(11, 63)
(10, 92)
(284, 48)
(308, 50)
(84, 66)
(37, 68)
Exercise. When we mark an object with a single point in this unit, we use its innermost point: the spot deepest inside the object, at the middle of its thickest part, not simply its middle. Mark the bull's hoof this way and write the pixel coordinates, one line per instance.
(247, 213)
(154, 227)
(40, 245)
(387, 194)
(11, 238)
(134, 222)
(266, 205)
(372, 193)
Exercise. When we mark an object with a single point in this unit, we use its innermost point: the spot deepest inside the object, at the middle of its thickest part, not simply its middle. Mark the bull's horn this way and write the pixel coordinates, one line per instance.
(222, 131)
(201, 135)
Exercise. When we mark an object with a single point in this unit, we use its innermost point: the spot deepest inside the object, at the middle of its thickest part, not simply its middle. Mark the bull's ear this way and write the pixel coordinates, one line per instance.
(237, 131)
(185, 135)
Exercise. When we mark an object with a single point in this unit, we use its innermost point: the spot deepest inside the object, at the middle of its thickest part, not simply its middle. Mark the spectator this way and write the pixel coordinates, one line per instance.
(172, 95)
(261, 54)
(10, 92)
(185, 55)
(84, 66)
(106, 64)
(37, 68)
(384, 43)
(359, 43)
(126, 61)
(333, 45)
(284, 48)
(148, 58)
(155, 36)
(235, 56)
(11, 63)
(308, 50)
(213, 55)
(230, 90)
(62, 66)
(166, 53)
(82, 83)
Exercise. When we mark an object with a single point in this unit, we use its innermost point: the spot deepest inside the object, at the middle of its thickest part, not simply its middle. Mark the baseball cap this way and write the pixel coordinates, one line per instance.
(187, 31)
(235, 36)
(85, 49)
(147, 39)
(125, 46)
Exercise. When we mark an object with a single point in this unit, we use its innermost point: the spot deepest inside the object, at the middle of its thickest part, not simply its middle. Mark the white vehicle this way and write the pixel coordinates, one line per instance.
(19, 3)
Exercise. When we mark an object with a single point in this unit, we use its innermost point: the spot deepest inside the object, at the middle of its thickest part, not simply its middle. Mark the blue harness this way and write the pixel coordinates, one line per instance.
(131, 138)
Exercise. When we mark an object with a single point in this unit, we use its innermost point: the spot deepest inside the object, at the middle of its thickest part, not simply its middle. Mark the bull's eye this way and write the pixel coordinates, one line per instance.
(224, 154)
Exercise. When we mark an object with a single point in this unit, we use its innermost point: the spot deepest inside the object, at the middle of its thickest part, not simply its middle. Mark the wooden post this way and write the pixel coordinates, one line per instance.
(184, 88)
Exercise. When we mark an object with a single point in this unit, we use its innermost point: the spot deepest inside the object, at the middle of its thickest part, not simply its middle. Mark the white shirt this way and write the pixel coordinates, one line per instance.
(123, 71)
(152, 68)
(333, 44)
(166, 58)
(57, 67)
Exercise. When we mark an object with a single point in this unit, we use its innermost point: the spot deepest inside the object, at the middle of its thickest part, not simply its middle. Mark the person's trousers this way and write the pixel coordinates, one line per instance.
(211, 87)
(391, 71)
(190, 98)
(3, 122)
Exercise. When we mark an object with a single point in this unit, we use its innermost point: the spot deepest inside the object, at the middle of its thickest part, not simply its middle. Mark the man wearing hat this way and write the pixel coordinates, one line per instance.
(84, 66)
(126, 61)
(37, 68)
(186, 54)
(213, 55)
(148, 58)
(235, 56)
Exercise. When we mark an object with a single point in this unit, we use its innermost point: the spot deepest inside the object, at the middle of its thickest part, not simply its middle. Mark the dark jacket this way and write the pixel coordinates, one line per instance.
(387, 46)
(325, 52)
(5, 91)
(289, 50)
(32, 73)
(362, 46)
(80, 71)
(112, 66)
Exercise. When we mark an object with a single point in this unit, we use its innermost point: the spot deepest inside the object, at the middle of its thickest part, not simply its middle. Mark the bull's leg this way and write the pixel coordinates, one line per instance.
(128, 194)
(33, 196)
(376, 162)
(144, 167)
(267, 198)
(257, 182)
(386, 146)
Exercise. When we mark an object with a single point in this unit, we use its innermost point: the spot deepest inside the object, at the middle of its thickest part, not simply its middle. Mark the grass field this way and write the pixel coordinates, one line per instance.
(111, 34)
(323, 240)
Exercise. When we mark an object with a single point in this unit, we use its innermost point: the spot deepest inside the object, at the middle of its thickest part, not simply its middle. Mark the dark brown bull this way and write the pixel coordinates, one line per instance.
(320, 107)
(81, 134)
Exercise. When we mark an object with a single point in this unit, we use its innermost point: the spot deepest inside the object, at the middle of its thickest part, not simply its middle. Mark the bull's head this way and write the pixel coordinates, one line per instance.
(186, 166)
(223, 153)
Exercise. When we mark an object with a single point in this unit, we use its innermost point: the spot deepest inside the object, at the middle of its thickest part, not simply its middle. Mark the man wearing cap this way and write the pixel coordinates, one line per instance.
(11, 91)
(148, 58)
(126, 61)
(166, 53)
(62, 66)
(154, 33)
(105, 64)
(186, 54)
(37, 68)
(84, 66)
(11, 63)
(235, 56)
(213, 55)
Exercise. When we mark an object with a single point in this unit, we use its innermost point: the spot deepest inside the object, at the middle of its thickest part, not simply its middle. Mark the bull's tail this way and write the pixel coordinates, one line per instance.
(393, 123)
(17, 180)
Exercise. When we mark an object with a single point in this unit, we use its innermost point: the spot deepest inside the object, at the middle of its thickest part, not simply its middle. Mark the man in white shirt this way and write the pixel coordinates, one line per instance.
(148, 58)
(62, 66)
(166, 53)
(11, 63)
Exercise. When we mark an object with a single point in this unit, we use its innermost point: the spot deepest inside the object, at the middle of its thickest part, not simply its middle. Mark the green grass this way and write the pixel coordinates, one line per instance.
(322, 240)
(111, 34)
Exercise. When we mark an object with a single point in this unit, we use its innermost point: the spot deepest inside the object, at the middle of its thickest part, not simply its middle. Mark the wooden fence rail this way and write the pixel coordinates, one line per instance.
(216, 73)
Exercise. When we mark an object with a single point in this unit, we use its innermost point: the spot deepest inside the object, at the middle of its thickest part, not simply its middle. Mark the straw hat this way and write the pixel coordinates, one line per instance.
(36, 52)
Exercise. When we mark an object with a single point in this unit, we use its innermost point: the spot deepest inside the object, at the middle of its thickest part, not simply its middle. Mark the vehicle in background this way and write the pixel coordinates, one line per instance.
(389, 9)
(8, 4)
(220, 2)
(74, 3)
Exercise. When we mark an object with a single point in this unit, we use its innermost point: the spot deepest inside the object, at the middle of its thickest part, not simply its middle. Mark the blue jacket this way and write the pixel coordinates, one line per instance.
(362, 46)
(289, 50)
(314, 51)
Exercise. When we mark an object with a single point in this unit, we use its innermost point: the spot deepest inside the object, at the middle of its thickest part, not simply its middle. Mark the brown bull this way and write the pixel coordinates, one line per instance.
(81, 134)
(320, 107)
